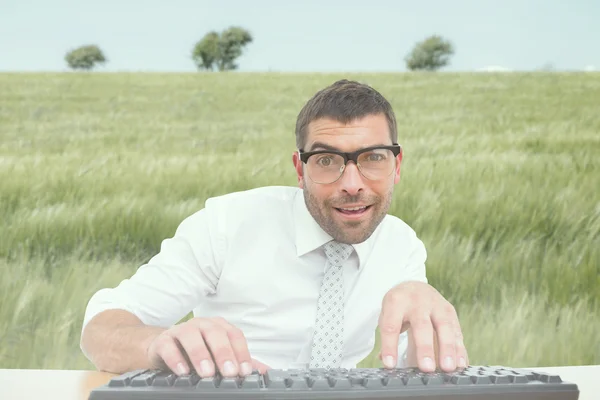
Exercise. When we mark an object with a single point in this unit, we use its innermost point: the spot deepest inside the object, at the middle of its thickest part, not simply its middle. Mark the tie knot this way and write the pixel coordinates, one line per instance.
(337, 252)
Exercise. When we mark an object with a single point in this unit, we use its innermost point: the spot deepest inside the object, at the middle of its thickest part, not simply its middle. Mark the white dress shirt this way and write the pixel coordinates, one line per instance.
(256, 259)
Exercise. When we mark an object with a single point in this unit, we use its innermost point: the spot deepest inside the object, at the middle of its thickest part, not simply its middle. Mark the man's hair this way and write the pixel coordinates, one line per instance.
(344, 101)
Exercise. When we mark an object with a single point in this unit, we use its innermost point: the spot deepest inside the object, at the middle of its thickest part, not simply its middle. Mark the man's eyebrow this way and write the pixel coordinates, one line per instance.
(325, 146)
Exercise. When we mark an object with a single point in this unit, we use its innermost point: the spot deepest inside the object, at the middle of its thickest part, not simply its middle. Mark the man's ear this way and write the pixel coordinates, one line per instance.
(398, 163)
(298, 167)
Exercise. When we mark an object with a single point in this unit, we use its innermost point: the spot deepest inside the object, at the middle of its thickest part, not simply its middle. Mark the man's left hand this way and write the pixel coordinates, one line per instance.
(422, 309)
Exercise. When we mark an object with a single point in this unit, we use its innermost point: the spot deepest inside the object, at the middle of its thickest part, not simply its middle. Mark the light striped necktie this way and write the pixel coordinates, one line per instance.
(328, 339)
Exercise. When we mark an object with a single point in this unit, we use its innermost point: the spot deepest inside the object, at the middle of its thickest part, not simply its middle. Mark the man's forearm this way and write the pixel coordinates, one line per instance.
(116, 341)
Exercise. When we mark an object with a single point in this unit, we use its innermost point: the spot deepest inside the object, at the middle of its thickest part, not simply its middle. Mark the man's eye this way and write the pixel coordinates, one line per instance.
(324, 161)
(373, 157)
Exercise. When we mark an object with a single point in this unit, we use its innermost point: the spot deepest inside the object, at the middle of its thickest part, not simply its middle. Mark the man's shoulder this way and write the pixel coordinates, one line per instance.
(263, 196)
(394, 231)
(257, 205)
(252, 207)
(396, 225)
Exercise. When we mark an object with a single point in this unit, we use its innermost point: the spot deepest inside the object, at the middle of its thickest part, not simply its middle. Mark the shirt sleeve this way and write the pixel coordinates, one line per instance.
(171, 283)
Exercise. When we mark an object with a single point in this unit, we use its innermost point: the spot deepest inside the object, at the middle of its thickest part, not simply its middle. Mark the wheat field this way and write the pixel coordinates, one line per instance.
(501, 180)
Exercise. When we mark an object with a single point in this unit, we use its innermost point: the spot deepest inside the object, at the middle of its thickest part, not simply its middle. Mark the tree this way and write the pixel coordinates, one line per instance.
(430, 54)
(85, 57)
(220, 51)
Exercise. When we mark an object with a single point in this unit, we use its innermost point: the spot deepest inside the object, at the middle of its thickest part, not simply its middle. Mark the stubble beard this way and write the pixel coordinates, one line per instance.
(350, 232)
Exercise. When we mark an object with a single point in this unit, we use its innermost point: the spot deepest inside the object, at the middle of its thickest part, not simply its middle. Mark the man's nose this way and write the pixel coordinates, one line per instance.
(351, 180)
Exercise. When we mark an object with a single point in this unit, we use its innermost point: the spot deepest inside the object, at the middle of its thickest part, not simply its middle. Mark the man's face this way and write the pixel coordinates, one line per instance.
(326, 201)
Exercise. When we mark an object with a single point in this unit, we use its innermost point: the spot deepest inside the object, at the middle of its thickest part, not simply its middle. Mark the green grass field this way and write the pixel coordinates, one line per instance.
(501, 180)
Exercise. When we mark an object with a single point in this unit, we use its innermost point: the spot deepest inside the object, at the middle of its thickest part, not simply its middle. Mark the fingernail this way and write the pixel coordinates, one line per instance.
(428, 363)
(228, 368)
(206, 368)
(246, 368)
(388, 361)
(181, 369)
(462, 363)
(449, 362)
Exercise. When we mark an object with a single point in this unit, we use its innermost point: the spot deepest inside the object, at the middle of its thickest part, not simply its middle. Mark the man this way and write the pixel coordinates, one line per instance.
(284, 277)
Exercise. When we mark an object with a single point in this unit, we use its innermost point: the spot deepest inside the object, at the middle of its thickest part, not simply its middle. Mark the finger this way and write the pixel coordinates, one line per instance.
(390, 325)
(260, 367)
(217, 341)
(452, 352)
(240, 348)
(239, 345)
(461, 350)
(191, 340)
(422, 333)
(446, 341)
(168, 351)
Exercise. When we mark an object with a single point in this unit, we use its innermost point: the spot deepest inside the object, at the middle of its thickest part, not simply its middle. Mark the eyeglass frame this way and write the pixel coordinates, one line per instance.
(350, 156)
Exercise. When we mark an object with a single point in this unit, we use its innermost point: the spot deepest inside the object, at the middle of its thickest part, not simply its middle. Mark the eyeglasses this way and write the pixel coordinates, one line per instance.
(327, 166)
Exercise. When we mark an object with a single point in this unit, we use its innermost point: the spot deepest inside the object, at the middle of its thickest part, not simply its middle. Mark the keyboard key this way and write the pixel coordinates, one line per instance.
(518, 379)
(317, 371)
(498, 378)
(144, 379)
(230, 383)
(208, 383)
(125, 379)
(339, 383)
(187, 380)
(277, 379)
(394, 381)
(413, 380)
(373, 383)
(356, 379)
(299, 382)
(164, 379)
(528, 374)
(549, 378)
(319, 382)
(433, 379)
(251, 382)
(481, 379)
(461, 380)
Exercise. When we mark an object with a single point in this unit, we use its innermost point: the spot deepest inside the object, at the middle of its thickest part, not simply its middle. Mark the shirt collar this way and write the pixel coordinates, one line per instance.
(310, 235)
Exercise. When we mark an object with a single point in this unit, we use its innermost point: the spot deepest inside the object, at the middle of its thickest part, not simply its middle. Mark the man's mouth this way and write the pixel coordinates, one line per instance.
(358, 210)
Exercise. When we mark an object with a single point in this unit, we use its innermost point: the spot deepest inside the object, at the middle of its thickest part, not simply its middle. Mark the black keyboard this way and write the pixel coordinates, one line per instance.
(472, 383)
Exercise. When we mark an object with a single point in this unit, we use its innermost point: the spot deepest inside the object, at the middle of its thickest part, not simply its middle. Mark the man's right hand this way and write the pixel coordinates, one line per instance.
(206, 345)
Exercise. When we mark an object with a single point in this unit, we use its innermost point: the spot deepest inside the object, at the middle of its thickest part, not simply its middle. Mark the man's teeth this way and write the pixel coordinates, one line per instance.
(354, 209)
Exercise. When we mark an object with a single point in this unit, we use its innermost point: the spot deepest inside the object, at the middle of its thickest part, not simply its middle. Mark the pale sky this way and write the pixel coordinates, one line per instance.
(305, 36)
